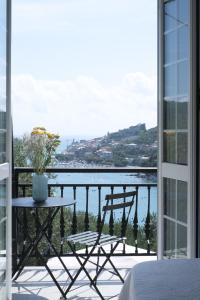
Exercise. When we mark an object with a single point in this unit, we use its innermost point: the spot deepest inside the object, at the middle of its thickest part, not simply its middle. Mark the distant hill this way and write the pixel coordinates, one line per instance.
(131, 132)
(133, 146)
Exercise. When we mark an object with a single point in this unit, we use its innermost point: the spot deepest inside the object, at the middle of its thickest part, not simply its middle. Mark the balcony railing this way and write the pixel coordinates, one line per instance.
(86, 213)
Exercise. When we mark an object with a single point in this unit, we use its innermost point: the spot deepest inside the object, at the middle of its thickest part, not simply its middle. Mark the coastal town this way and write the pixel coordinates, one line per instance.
(134, 146)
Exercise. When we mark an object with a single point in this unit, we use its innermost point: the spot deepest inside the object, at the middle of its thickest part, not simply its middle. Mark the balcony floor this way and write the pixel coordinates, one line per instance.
(35, 282)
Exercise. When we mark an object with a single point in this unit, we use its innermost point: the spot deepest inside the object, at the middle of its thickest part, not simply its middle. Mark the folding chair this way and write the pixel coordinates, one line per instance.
(92, 240)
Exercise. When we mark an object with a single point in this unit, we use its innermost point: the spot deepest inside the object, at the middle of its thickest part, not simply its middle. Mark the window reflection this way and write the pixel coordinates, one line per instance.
(182, 113)
(181, 251)
(3, 34)
(169, 241)
(176, 81)
(182, 148)
(169, 114)
(2, 231)
(182, 201)
(169, 197)
(170, 81)
(170, 12)
(170, 147)
(175, 218)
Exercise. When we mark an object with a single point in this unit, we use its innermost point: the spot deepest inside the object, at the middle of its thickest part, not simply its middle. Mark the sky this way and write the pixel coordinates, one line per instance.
(83, 67)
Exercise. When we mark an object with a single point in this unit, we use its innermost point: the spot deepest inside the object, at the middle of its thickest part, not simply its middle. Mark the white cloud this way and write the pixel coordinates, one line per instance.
(83, 106)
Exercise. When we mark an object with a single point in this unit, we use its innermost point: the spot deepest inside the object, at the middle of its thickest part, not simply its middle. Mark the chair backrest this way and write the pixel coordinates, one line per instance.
(125, 202)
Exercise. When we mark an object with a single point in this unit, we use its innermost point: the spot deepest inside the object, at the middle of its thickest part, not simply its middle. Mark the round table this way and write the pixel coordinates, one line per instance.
(53, 203)
(28, 202)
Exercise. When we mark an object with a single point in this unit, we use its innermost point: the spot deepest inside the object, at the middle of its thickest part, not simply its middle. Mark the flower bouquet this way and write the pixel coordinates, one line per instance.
(40, 147)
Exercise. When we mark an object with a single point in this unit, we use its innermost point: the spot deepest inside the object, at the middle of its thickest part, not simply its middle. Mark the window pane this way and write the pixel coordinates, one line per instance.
(3, 34)
(182, 113)
(182, 201)
(170, 12)
(2, 232)
(2, 81)
(170, 40)
(181, 241)
(182, 148)
(183, 79)
(169, 197)
(170, 147)
(169, 114)
(169, 238)
(183, 42)
(170, 84)
(176, 80)
(183, 11)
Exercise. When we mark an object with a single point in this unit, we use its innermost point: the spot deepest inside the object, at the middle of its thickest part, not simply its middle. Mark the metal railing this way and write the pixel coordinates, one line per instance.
(87, 211)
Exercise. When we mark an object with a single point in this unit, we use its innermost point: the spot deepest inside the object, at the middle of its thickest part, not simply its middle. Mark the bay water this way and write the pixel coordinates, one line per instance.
(108, 178)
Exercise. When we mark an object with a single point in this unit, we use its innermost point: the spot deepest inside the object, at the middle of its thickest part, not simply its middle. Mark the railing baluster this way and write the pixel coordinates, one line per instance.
(147, 223)
(15, 184)
(61, 191)
(23, 229)
(15, 242)
(123, 222)
(36, 224)
(99, 209)
(49, 190)
(135, 222)
(62, 223)
(86, 221)
(23, 191)
(49, 232)
(111, 221)
(74, 218)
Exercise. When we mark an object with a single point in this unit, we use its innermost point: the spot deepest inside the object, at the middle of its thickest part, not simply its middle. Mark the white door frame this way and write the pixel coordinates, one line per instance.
(179, 172)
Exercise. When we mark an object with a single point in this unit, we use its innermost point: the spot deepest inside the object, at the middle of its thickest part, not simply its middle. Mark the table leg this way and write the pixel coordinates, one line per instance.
(32, 242)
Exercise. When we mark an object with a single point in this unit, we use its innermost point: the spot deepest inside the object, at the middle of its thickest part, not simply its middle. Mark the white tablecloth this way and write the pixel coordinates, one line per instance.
(163, 280)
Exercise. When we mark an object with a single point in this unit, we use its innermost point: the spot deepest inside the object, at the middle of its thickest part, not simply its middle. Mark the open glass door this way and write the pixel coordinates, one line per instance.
(5, 152)
(176, 228)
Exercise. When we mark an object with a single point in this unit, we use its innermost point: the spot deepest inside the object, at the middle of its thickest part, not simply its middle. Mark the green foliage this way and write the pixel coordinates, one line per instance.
(20, 158)
(147, 137)
(127, 133)
(119, 158)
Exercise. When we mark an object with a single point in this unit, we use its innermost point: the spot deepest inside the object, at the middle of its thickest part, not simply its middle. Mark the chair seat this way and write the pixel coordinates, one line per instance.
(89, 238)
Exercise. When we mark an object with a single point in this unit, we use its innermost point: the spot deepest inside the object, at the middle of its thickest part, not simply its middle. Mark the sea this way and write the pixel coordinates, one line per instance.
(108, 178)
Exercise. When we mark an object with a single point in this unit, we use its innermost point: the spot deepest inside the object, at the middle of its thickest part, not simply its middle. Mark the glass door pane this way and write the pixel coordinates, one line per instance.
(4, 158)
(3, 220)
(176, 81)
(175, 218)
(175, 127)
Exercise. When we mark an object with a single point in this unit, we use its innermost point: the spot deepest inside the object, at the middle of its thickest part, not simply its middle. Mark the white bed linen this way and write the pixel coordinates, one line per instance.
(163, 280)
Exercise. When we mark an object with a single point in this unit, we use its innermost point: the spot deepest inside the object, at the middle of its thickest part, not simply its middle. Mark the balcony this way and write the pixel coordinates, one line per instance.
(34, 281)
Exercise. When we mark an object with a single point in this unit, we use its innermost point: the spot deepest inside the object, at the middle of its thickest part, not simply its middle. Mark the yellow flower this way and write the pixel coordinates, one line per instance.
(50, 135)
(38, 132)
(39, 128)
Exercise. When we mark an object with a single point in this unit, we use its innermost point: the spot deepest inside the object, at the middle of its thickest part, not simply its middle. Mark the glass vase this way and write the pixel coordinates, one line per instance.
(39, 187)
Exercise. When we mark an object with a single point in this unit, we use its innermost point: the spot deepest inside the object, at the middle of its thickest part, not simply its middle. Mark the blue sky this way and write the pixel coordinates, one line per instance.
(78, 61)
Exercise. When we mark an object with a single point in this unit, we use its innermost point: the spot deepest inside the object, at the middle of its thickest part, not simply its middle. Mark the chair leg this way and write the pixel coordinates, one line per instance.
(97, 265)
(108, 259)
(82, 268)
